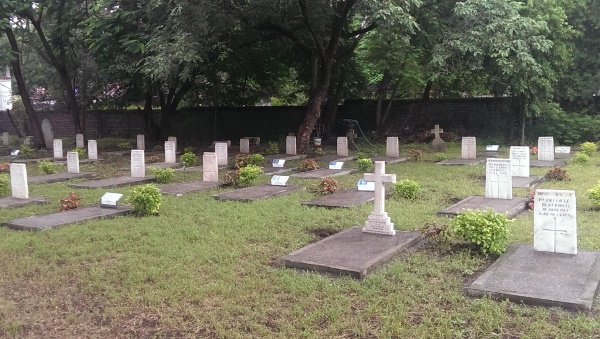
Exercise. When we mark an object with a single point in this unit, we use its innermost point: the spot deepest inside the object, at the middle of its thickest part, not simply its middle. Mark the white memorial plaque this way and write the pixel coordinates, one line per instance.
(174, 140)
(290, 145)
(92, 150)
(170, 157)
(18, 181)
(15, 152)
(392, 148)
(79, 143)
(337, 165)
(141, 142)
(498, 179)
(58, 149)
(519, 161)
(5, 138)
(221, 150)
(279, 180)
(72, 162)
(562, 149)
(469, 148)
(138, 164)
(110, 199)
(555, 221)
(546, 148)
(378, 221)
(210, 167)
(245, 145)
(492, 148)
(364, 185)
(278, 162)
(342, 146)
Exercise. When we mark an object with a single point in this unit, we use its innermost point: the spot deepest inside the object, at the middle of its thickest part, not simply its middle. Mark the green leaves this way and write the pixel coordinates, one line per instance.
(487, 230)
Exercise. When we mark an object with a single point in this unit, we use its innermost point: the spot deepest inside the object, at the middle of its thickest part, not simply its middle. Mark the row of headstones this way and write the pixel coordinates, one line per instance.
(210, 166)
(546, 148)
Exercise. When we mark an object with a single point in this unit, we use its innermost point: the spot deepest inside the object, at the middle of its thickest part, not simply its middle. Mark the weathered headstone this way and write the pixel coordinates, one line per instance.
(221, 151)
(378, 221)
(5, 138)
(438, 144)
(290, 145)
(555, 221)
(174, 139)
(138, 164)
(79, 142)
(342, 146)
(18, 181)
(469, 148)
(58, 149)
(351, 137)
(72, 162)
(519, 161)
(546, 148)
(245, 145)
(170, 157)
(48, 133)
(92, 150)
(29, 141)
(210, 167)
(498, 179)
(392, 148)
(141, 142)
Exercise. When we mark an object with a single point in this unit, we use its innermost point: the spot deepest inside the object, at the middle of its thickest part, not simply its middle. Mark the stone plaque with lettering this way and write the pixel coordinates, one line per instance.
(342, 146)
(170, 148)
(392, 147)
(138, 164)
(72, 162)
(546, 148)
(519, 161)
(498, 179)
(469, 148)
(555, 221)
(290, 145)
(92, 150)
(58, 149)
(210, 167)
(222, 156)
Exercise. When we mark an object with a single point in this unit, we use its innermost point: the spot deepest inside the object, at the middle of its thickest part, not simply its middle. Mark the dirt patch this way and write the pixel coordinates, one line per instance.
(322, 233)
(453, 200)
(477, 177)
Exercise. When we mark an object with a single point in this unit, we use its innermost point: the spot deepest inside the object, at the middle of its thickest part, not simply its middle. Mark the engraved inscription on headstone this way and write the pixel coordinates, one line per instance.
(555, 221)
(469, 148)
(170, 157)
(498, 179)
(92, 150)
(222, 156)
(519, 161)
(210, 167)
(138, 164)
(18, 181)
(546, 148)
(290, 145)
(174, 139)
(244, 145)
(141, 142)
(5, 138)
(79, 143)
(392, 148)
(72, 162)
(342, 146)
(58, 149)
(378, 221)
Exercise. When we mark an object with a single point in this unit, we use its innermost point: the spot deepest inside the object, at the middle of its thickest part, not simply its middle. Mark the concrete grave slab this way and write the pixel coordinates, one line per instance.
(113, 182)
(49, 221)
(461, 162)
(182, 188)
(389, 160)
(256, 192)
(59, 177)
(345, 199)
(524, 275)
(27, 161)
(161, 165)
(277, 170)
(326, 159)
(350, 252)
(10, 202)
(526, 182)
(287, 157)
(323, 173)
(512, 207)
(547, 163)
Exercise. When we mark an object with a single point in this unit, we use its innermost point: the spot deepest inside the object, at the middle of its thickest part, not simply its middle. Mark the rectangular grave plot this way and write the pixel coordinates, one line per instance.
(59, 177)
(112, 182)
(180, 189)
(344, 199)
(512, 207)
(323, 173)
(256, 192)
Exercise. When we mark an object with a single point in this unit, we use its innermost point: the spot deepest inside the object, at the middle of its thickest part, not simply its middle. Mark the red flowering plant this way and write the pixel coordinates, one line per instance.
(533, 150)
(71, 202)
(4, 167)
(328, 186)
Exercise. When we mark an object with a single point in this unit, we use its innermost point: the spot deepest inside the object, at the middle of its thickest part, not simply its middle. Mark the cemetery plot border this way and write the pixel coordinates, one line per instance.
(112, 182)
(461, 162)
(277, 170)
(345, 199)
(270, 158)
(179, 189)
(512, 207)
(547, 163)
(326, 159)
(10, 202)
(323, 173)
(253, 193)
(59, 177)
(526, 182)
(389, 160)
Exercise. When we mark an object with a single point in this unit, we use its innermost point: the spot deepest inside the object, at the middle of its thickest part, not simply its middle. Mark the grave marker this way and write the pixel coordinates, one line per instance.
(18, 181)
(244, 145)
(79, 142)
(279, 180)
(48, 133)
(378, 221)
(210, 167)
(562, 149)
(392, 148)
(278, 162)
(364, 185)
(5, 138)
(337, 165)
(174, 139)
(342, 146)
(221, 151)
(72, 162)
(546, 148)
(351, 137)
(58, 149)
(469, 148)
(138, 164)
(29, 141)
(519, 161)
(290, 145)
(170, 157)
(555, 221)
(141, 142)
(498, 179)
(92, 150)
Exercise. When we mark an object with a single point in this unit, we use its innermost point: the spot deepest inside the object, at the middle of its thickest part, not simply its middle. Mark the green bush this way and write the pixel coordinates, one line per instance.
(112, 143)
(146, 200)
(188, 159)
(441, 157)
(80, 152)
(589, 148)
(4, 184)
(162, 175)
(580, 158)
(272, 148)
(487, 230)
(26, 152)
(594, 194)
(48, 167)
(407, 189)
(188, 149)
(243, 160)
(365, 165)
(248, 174)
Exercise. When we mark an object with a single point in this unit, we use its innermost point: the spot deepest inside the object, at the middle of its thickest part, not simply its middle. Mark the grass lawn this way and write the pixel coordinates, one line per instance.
(207, 268)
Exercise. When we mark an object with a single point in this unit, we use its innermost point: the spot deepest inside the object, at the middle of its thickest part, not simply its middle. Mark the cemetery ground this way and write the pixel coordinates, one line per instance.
(208, 268)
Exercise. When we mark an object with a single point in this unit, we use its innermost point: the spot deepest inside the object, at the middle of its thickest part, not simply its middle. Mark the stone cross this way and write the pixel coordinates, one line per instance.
(245, 145)
(555, 221)
(221, 151)
(498, 179)
(138, 164)
(290, 145)
(72, 162)
(58, 149)
(519, 161)
(351, 137)
(79, 142)
(342, 146)
(141, 142)
(18, 181)
(546, 148)
(92, 150)
(378, 221)
(436, 130)
(5, 138)
(170, 157)
(468, 148)
(392, 148)
(210, 168)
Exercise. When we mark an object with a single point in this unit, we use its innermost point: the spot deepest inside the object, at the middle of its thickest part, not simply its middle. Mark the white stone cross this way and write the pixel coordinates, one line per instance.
(378, 221)
(436, 130)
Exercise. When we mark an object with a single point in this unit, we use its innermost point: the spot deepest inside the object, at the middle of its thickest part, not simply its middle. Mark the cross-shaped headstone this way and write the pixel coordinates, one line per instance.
(436, 130)
(378, 221)
(351, 137)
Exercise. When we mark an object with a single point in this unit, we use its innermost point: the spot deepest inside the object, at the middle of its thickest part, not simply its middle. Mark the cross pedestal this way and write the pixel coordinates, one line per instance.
(436, 130)
(378, 221)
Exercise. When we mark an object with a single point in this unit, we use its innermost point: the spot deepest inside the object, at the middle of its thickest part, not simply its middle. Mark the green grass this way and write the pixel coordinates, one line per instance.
(206, 268)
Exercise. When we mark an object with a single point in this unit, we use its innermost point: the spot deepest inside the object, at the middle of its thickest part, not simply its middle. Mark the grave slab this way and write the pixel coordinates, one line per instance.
(389, 160)
(461, 162)
(512, 207)
(112, 182)
(277, 170)
(256, 192)
(10, 202)
(345, 199)
(269, 158)
(27, 161)
(326, 159)
(323, 173)
(58, 177)
(163, 165)
(350, 252)
(49, 221)
(526, 182)
(523, 275)
(182, 188)
(547, 163)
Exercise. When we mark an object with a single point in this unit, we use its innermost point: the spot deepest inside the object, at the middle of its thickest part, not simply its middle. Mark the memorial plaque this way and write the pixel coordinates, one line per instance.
(210, 167)
(364, 185)
(492, 148)
(290, 145)
(79, 142)
(546, 148)
(342, 146)
(278, 162)
(58, 149)
(141, 142)
(221, 151)
(245, 145)
(555, 221)
(170, 157)
(498, 179)
(138, 164)
(469, 148)
(92, 150)
(110, 200)
(562, 149)
(519, 161)
(279, 180)
(392, 148)
(72, 162)
(337, 165)
(18, 181)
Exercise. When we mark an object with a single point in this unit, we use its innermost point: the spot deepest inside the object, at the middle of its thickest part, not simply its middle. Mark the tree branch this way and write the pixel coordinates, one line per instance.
(317, 39)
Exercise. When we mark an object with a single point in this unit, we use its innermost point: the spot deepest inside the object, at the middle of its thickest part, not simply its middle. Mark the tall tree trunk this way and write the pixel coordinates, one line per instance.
(150, 128)
(523, 118)
(12, 122)
(381, 92)
(333, 103)
(388, 108)
(169, 104)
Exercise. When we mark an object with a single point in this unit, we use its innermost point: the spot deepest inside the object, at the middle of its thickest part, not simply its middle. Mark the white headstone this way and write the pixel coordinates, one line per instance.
(222, 156)
(555, 221)
(92, 150)
(392, 148)
(519, 161)
(498, 179)
(138, 164)
(278, 162)
(279, 180)
(48, 133)
(244, 145)
(58, 149)
(290, 145)
(378, 221)
(170, 157)
(174, 139)
(5, 138)
(210, 167)
(72, 162)
(546, 148)
(336, 165)
(469, 148)
(364, 185)
(141, 142)
(18, 181)
(110, 199)
(562, 149)
(342, 146)
(79, 143)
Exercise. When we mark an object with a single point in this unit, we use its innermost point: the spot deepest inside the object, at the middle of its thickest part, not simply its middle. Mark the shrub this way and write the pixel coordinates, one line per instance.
(248, 174)
(589, 148)
(580, 158)
(533, 150)
(557, 174)
(25, 152)
(48, 167)
(365, 165)
(146, 200)
(487, 230)
(594, 194)
(308, 165)
(188, 149)
(162, 175)
(531, 200)
(124, 145)
(71, 202)
(231, 177)
(441, 157)
(4, 185)
(328, 186)
(407, 189)
(417, 154)
(188, 159)
(436, 234)
(272, 148)
(4, 167)
(319, 152)
(80, 152)
(152, 159)
(243, 160)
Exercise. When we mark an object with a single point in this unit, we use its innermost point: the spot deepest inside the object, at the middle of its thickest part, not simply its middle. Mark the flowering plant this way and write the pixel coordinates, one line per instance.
(69, 203)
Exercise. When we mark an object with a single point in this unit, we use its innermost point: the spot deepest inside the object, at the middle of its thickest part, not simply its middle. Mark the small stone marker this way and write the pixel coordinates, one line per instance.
(138, 165)
(245, 145)
(438, 144)
(221, 151)
(48, 133)
(18, 181)
(174, 140)
(29, 141)
(210, 167)
(546, 148)
(498, 179)
(279, 180)
(555, 221)
(351, 137)
(5, 138)
(342, 146)
(170, 157)
(392, 148)
(278, 162)
(336, 165)
(378, 221)
(290, 145)
(92, 150)
(364, 185)
(562, 149)
(110, 199)
(492, 148)
(58, 149)
(79, 143)
(519, 161)
(72, 162)
(469, 148)
(141, 142)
